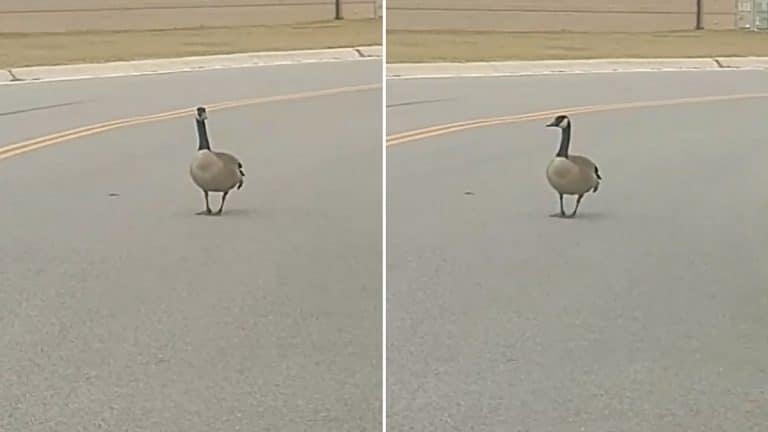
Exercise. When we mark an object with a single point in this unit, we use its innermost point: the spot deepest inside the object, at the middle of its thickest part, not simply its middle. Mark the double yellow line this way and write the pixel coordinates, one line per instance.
(419, 134)
(45, 141)
(394, 139)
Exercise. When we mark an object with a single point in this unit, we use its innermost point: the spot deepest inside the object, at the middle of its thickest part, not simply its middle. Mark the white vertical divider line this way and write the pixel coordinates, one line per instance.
(384, 217)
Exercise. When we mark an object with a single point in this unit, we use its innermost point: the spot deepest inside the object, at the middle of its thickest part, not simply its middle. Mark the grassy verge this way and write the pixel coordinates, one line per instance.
(34, 49)
(458, 46)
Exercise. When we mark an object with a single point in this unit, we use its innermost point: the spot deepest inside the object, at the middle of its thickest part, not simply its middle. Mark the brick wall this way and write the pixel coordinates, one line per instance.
(69, 15)
(556, 15)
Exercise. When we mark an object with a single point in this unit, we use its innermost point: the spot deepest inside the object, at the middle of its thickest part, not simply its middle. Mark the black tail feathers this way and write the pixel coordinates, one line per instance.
(597, 174)
(242, 174)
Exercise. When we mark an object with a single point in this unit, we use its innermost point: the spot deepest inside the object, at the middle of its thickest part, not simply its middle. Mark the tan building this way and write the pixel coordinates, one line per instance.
(563, 15)
(71, 15)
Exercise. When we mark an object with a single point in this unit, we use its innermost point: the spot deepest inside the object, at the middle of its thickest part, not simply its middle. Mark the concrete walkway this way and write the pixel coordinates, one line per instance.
(155, 66)
(522, 68)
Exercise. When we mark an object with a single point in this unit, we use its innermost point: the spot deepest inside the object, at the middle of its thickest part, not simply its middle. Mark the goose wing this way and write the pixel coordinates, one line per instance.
(588, 168)
(583, 162)
(586, 164)
(234, 162)
(228, 159)
(231, 161)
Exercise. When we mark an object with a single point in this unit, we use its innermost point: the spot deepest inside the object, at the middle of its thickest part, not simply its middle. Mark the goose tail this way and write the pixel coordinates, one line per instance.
(599, 178)
(242, 175)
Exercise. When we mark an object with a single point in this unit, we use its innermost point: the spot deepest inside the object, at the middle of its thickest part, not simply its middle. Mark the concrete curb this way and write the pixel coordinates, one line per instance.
(374, 51)
(743, 62)
(523, 68)
(184, 64)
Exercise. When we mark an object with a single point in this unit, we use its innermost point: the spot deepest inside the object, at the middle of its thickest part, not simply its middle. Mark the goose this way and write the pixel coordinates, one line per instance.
(213, 171)
(571, 174)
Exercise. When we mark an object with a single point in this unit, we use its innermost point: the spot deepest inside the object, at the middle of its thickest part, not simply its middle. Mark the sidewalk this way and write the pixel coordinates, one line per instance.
(523, 68)
(141, 67)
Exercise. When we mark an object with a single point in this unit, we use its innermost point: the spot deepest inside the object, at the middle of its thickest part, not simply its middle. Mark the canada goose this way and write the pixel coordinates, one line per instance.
(571, 174)
(213, 171)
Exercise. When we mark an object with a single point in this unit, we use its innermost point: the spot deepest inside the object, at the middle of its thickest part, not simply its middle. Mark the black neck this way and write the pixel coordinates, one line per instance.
(202, 135)
(565, 142)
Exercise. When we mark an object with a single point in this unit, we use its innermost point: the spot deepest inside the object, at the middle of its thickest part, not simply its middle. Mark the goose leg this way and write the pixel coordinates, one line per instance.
(578, 201)
(221, 207)
(207, 205)
(562, 209)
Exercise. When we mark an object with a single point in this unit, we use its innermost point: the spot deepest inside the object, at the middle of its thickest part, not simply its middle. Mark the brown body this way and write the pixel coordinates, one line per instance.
(216, 171)
(574, 175)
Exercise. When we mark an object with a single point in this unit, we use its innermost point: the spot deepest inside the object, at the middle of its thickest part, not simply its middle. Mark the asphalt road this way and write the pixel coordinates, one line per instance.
(122, 310)
(647, 312)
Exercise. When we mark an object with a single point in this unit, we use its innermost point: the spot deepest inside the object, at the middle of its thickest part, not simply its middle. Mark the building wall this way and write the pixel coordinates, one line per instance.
(73, 15)
(558, 15)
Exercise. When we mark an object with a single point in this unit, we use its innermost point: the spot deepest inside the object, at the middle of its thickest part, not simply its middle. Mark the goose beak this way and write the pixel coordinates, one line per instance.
(553, 124)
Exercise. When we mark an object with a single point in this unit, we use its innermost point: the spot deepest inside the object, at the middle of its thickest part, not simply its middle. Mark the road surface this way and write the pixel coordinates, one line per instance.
(122, 310)
(647, 312)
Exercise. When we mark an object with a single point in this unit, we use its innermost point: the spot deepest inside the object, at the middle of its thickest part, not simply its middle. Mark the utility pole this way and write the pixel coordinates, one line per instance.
(339, 15)
(699, 14)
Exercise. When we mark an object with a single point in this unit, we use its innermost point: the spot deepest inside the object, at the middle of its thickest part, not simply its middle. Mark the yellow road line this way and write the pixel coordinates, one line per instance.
(433, 131)
(44, 141)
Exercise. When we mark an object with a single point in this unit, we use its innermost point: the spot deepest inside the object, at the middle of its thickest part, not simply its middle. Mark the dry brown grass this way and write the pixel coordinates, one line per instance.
(18, 50)
(459, 46)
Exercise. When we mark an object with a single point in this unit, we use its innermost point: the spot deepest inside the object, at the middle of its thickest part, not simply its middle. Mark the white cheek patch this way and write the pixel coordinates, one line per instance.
(564, 124)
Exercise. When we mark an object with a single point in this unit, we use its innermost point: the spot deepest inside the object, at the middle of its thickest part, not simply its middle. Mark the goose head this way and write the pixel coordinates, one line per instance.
(201, 114)
(561, 121)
